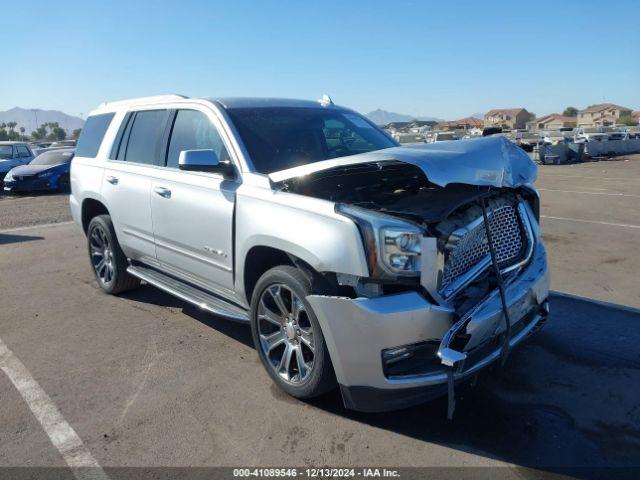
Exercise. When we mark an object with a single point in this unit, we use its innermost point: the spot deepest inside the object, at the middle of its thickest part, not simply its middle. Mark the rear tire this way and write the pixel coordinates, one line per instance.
(287, 335)
(107, 259)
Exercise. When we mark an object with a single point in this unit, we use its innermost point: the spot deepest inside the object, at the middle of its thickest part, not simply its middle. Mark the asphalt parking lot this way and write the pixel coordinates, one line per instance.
(146, 380)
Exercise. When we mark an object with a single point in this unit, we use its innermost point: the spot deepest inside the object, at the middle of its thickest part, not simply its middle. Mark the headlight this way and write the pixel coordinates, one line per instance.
(8, 176)
(392, 245)
(45, 174)
(400, 249)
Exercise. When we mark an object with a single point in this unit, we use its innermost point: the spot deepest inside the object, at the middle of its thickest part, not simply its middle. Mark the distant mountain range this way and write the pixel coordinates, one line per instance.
(382, 117)
(26, 117)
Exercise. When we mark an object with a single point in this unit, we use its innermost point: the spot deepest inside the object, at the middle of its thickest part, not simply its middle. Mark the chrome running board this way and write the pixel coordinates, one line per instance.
(188, 293)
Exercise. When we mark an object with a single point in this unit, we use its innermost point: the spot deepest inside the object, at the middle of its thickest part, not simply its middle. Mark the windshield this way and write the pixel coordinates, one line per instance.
(54, 157)
(592, 130)
(6, 152)
(278, 138)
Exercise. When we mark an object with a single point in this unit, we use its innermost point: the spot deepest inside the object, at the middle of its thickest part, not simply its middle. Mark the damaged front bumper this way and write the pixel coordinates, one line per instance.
(358, 331)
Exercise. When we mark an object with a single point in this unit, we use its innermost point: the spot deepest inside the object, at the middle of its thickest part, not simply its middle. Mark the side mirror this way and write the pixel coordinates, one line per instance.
(204, 161)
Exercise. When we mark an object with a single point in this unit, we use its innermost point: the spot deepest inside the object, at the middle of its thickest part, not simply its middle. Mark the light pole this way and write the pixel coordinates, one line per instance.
(35, 114)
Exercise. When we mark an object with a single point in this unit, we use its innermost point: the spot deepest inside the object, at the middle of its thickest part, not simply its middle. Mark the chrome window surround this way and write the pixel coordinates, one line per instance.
(483, 264)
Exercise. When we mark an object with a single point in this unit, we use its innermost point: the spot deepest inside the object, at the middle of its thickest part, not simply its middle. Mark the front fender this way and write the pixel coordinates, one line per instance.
(305, 227)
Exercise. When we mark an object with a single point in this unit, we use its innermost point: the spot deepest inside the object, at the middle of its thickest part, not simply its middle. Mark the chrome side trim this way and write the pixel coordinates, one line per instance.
(186, 253)
(141, 236)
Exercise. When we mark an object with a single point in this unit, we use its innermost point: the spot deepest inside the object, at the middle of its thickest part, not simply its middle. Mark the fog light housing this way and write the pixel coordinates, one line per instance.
(411, 360)
(393, 355)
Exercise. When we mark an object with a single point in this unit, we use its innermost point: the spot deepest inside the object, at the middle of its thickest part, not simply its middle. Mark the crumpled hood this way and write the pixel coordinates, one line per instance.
(488, 161)
(32, 169)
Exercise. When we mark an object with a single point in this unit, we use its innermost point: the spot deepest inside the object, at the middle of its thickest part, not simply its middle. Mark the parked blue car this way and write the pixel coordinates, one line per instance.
(48, 171)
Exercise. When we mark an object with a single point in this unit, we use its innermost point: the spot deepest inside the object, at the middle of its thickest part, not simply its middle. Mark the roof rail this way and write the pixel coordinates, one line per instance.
(151, 99)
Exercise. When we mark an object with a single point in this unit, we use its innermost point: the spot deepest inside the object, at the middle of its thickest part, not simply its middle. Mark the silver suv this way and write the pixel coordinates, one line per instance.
(392, 272)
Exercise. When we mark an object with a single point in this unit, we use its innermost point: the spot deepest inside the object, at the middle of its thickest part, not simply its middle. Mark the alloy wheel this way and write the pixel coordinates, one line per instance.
(286, 333)
(101, 254)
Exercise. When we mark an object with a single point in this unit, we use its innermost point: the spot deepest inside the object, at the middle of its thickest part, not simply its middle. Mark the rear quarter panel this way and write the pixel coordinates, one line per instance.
(86, 174)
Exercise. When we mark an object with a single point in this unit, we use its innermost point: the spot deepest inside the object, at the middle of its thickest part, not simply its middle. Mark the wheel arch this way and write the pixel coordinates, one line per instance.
(258, 260)
(261, 258)
(91, 208)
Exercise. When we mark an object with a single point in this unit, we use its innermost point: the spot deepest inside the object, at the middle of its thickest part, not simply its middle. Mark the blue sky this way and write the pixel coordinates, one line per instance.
(445, 59)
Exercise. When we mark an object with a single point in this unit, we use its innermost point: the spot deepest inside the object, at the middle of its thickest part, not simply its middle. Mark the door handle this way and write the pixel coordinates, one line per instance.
(112, 180)
(163, 192)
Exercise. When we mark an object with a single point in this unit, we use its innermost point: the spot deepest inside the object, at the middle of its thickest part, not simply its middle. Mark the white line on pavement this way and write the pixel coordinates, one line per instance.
(590, 193)
(624, 225)
(61, 434)
(586, 176)
(626, 308)
(34, 227)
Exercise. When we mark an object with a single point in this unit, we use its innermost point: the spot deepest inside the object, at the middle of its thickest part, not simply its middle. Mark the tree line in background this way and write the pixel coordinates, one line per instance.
(49, 131)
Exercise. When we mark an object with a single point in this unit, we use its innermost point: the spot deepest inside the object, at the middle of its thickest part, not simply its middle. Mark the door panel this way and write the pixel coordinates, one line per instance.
(127, 189)
(192, 225)
(193, 211)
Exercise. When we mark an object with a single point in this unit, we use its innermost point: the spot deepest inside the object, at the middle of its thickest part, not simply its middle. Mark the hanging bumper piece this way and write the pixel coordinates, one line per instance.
(453, 359)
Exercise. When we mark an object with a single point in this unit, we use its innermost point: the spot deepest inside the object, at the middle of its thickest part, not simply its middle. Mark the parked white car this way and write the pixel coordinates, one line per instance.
(554, 137)
(441, 137)
(589, 134)
(356, 261)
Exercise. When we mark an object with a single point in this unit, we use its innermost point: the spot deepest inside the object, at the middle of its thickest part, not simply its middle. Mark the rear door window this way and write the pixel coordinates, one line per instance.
(192, 130)
(145, 138)
(23, 152)
(92, 134)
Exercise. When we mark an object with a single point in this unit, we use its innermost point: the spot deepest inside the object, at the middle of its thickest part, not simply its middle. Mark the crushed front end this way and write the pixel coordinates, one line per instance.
(398, 349)
(458, 275)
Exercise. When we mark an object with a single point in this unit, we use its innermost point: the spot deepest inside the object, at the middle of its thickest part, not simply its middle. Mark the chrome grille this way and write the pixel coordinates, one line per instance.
(471, 251)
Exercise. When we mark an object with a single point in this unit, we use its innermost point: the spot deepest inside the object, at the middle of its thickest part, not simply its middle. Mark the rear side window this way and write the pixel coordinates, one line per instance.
(192, 130)
(23, 152)
(144, 142)
(119, 146)
(92, 134)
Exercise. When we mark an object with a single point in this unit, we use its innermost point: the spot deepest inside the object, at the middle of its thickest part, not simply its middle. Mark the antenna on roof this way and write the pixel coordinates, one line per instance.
(325, 101)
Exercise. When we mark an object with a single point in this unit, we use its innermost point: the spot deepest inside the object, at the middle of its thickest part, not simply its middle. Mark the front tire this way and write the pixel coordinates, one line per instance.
(108, 261)
(287, 335)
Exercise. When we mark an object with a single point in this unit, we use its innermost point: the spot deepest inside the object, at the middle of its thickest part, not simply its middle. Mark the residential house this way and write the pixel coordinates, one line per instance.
(601, 115)
(462, 124)
(553, 121)
(510, 118)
